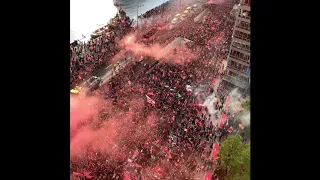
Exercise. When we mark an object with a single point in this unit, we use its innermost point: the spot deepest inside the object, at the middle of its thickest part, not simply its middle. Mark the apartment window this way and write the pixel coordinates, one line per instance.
(232, 74)
(239, 55)
(241, 46)
(246, 57)
(242, 36)
(243, 79)
(244, 25)
(245, 14)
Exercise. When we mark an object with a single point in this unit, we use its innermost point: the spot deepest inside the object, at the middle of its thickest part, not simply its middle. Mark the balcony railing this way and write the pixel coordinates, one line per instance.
(243, 27)
(239, 71)
(242, 48)
(245, 63)
(235, 81)
(242, 38)
(238, 58)
(245, 17)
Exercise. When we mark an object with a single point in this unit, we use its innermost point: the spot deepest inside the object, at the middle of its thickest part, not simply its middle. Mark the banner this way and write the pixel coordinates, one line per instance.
(223, 119)
(208, 176)
(215, 151)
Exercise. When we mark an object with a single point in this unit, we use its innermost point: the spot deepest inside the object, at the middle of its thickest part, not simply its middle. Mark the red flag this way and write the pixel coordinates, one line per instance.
(87, 175)
(150, 93)
(208, 176)
(215, 151)
(150, 100)
(158, 168)
(172, 119)
(167, 152)
(126, 175)
(138, 166)
(200, 123)
(223, 119)
(214, 80)
(141, 90)
(78, 174)
(241, 126)
(136, 153)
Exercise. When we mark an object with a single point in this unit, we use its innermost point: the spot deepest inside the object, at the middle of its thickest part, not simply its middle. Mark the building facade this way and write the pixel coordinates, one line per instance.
(238, 66)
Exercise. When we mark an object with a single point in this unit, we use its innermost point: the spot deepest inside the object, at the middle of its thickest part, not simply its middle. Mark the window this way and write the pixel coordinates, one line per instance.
(241, 46)
(243, 25)
(242, 36)
(230, 73)
(239, 55)
(245, 14)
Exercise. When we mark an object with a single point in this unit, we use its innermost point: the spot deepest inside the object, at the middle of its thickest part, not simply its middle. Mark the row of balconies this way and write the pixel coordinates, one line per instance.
(239, 58)
(243, 50)
(242, 38)
(247, 29)
(245, 63)
(239, 71)
(235, 81)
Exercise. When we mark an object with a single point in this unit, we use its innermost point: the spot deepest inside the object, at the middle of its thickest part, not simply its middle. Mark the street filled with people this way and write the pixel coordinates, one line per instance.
(152, 119)
(87, 57)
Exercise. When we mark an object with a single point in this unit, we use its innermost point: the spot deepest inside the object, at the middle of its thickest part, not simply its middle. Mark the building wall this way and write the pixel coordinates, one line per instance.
(238, 61)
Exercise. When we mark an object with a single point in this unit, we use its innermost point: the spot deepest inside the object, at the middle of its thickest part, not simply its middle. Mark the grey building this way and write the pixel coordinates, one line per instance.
(238, 68)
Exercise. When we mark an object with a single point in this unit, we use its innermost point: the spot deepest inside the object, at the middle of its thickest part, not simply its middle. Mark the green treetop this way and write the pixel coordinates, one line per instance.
(235, 158)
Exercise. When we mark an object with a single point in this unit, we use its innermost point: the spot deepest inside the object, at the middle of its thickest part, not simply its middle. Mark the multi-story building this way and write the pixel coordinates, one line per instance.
(238, 67)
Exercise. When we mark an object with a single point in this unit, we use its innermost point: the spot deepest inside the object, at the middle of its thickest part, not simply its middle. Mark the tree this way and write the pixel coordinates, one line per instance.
(235, 158)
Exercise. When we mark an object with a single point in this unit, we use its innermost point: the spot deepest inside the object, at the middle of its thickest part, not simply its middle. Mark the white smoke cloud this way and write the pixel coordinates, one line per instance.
(235, 107)
(210, 103)
(245, 118)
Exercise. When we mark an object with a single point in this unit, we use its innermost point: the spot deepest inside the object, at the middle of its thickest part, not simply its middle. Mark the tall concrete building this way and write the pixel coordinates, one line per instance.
(238, 68)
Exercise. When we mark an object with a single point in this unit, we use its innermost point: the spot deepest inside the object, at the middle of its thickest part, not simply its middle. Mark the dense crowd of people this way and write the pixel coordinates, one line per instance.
(89, 56)
(182, 142)
(213, 35)
(183, 126)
